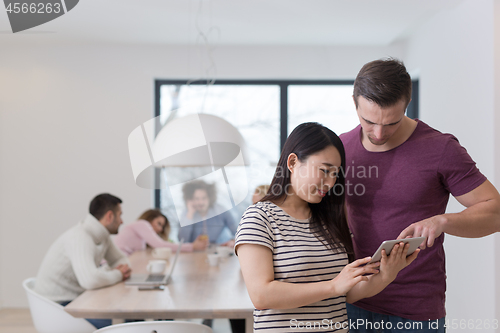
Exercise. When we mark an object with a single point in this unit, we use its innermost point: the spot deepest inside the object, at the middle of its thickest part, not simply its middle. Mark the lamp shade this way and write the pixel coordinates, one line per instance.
(199, 140)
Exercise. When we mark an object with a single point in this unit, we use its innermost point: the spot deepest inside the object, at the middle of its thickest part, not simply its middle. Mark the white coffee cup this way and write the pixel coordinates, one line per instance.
(162, 253)
(224, 251)
(213, 259)
(156, 266)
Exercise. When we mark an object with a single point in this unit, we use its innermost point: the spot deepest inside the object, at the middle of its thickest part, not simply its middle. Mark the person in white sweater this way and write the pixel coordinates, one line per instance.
(74, 262)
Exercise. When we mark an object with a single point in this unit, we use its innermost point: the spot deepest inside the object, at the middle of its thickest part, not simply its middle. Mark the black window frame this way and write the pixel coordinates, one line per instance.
(411, 111)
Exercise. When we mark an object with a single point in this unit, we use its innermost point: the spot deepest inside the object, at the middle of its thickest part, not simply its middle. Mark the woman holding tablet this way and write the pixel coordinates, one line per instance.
(295, 247)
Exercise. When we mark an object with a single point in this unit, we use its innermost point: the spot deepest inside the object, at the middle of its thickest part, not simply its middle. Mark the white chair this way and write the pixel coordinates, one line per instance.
(157, 327)
(50, 317)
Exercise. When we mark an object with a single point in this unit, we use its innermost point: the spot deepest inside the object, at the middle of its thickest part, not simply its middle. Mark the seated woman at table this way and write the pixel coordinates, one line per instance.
(295, 247)
(152, 229)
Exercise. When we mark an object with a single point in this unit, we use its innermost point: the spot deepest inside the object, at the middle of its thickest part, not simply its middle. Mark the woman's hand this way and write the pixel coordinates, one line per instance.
(352, 274)
(391, 265)
(389, 269)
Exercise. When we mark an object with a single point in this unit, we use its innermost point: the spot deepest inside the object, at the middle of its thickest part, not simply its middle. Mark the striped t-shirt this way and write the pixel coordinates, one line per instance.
(298, 257)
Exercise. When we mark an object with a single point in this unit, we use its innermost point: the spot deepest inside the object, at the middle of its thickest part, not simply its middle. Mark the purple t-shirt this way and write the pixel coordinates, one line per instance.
(388, 191)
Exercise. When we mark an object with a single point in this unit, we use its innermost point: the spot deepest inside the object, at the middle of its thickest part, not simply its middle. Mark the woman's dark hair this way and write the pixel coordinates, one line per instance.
(384, 82)
(328, 220)
(150, 215)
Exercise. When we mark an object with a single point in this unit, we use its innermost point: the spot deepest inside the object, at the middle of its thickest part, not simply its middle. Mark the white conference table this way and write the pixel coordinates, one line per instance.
(196, 290)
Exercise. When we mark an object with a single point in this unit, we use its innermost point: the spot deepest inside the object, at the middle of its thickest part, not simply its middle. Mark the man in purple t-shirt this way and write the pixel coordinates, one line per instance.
(399, 174)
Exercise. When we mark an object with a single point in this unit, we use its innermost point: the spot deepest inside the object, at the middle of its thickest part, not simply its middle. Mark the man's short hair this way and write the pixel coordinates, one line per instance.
(189, 188)
(103, 203)
(384, 82)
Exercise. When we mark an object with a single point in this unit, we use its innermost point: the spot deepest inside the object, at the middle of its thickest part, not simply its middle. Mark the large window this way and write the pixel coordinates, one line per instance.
(330, 105)
(265, 112)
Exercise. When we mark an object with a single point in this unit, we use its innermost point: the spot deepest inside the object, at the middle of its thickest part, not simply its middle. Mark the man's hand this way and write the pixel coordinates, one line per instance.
(200, 243)
(431, 228)
(190, 209)
(125, 270)
(479, 219)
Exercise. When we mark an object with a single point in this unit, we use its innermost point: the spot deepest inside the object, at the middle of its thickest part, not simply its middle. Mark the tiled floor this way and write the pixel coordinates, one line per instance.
(19, 321)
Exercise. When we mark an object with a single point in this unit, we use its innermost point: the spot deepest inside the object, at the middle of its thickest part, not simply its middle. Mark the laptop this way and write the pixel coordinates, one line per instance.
(154, 279)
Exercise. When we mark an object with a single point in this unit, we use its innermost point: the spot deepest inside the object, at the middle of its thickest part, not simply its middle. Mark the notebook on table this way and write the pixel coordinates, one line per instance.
(154, 279)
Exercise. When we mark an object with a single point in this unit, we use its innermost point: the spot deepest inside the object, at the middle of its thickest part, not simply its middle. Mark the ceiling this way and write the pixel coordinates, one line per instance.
(234, 22)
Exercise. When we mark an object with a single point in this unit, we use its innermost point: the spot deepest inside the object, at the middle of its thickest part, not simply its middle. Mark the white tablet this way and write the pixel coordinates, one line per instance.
(388, 245)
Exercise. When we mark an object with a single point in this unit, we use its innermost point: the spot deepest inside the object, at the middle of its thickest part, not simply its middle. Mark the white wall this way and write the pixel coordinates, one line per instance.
(454, 55)
(66, 112)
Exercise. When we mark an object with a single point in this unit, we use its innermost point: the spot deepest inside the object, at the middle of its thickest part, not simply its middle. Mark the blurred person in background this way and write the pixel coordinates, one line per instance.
(203, 216)
(206, 219)
(69, 267)
(260, 192)
(152, 229)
